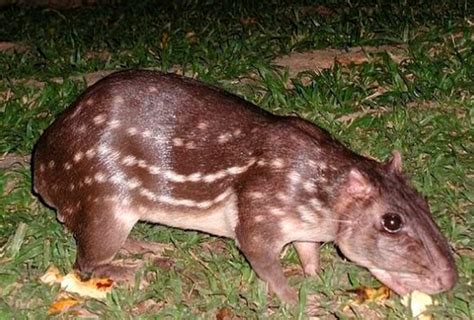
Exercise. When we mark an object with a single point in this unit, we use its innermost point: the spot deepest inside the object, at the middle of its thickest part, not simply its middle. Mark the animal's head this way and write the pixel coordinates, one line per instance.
(389, 230)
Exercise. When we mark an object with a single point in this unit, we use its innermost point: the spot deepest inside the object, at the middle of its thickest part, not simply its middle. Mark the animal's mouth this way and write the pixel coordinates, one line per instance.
(404, 282)
(391, 280)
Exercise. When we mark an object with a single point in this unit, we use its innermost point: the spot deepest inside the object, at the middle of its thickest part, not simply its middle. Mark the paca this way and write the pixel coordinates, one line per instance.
(141, 145)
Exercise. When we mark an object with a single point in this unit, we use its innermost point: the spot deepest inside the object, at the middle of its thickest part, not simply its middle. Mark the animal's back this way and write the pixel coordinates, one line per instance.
(144, 137)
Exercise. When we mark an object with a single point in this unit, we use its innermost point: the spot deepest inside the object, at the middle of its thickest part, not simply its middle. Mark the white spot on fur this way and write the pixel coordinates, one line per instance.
(72, 187)
(259, 218)
(100, 177)
(78, 156)
(261, 163)
(294, 177)
(320, 208)
(41, 167)
(282, 197)
(223, 138)
(154, 170)
(316, 204)
(194, 177)
(236, 132)
(129, 160)
(114, 124)
(306, 214)
(309, 186)
(148, 194)
(214, 176)
(173, 176)
(141, 163)
(204, 204)
(236, 170)
(190, 145)
(118, 100)
(99, 119)
(178, 142)
(202, 125)
(117, 178)
(177, 202)
(82, 128)
(51, 164)
(76, 111)
(277, 212)
(67, 166)
(132, 131)
(114, 155)
(133, 183)
(88, 180)
(89, 101)
(152, 89)
(256, 195)
(223, 195)
(90, 153)
(146, 134)
(277, 163)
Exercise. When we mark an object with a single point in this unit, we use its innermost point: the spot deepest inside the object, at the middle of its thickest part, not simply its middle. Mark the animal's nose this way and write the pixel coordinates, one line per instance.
(447, 279)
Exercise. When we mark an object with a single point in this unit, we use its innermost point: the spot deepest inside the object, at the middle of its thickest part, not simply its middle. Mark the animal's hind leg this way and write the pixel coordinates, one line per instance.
(100, 232)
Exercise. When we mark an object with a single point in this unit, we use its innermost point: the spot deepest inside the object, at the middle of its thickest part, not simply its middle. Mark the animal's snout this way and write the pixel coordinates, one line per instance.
(446, 279)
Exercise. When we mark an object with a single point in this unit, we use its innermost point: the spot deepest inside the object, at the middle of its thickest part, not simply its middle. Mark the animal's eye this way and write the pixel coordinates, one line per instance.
(392, 222)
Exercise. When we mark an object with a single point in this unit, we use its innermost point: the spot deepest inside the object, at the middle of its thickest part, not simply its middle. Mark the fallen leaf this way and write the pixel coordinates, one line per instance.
(12, 47)
(318, 60)
(9, 159)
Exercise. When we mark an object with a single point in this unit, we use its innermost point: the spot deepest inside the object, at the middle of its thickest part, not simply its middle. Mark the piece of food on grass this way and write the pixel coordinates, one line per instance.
(52, 275)
(96, 288)
(418, 303)
(367, 294)
(63, 303)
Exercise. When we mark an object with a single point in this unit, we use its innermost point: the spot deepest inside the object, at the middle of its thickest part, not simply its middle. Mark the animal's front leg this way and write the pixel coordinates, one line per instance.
(308, 252)
(259, 237)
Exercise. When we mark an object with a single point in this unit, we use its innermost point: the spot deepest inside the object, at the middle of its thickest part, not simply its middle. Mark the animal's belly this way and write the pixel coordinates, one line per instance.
(219, 220)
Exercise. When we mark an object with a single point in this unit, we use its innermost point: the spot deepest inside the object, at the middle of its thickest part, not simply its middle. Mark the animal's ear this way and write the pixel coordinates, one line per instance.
(357, 185)
(394, 164)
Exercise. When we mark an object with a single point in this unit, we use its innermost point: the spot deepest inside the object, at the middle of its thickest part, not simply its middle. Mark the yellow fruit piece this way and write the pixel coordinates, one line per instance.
(418, 302)
(93, 288)
(96, 288)
(62, 305)
(52, 275)
(366, 294)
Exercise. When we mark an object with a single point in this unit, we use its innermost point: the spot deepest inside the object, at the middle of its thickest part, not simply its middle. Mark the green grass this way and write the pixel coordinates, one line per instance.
(426, 111)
